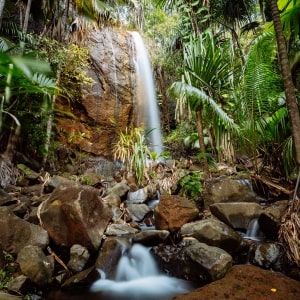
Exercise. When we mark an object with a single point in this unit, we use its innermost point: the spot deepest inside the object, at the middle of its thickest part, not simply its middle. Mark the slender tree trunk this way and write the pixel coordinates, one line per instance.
(201, 142)
(2, 4)
(291, 100)
(27, 14)
(261, 8)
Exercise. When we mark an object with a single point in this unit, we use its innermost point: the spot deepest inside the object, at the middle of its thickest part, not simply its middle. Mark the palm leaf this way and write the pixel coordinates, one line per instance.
(197, 96)
(261, 83)
(290, 19)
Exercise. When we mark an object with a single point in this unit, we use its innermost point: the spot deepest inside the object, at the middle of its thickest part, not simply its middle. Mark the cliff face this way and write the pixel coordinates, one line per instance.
(112, 97)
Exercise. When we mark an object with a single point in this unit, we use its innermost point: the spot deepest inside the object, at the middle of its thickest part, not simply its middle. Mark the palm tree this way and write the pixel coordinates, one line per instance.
(258, 92)
(207, 76)
(291, 100)
(289, 230)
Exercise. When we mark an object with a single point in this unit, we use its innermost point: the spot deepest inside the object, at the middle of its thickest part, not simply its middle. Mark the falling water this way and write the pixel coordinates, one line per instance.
(253, 232)
(138, 278)
(147, 104)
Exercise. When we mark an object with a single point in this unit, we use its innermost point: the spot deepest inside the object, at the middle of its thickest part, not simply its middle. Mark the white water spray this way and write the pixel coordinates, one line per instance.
(138, 278)
(147, 103)
(253, 232)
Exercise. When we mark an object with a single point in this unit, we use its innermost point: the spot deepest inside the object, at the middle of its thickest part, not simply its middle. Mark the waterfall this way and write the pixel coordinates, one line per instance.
(253, 232)
(138, 278)
(148, 112)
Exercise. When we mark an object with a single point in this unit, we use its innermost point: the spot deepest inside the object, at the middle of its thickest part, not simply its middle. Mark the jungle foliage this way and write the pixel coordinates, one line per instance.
(217, 59)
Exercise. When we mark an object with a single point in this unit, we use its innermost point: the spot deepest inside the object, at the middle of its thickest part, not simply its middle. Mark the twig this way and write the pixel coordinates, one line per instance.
(272, 184)
(58, 259)
(296, 190)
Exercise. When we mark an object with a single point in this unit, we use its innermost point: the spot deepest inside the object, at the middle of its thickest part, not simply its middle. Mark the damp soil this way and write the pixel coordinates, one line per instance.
(248, 282)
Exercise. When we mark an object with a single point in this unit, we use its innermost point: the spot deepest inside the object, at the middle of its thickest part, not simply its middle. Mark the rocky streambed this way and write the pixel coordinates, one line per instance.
(57, 232)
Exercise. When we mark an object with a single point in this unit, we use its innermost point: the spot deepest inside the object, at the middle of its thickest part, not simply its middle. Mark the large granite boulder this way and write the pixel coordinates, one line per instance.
(75, 214)
(238, 215)
(214, 233)
(194, 261)
(225, 189)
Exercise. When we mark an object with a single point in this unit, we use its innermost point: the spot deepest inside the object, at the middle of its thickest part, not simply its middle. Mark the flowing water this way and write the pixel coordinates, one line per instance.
(138, 278)
(253, 232)
(148, 112)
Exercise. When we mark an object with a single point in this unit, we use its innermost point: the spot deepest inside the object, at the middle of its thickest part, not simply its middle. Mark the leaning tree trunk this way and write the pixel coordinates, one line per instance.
(291, 100)
(2, 4)
(27, 14)
(289, 232)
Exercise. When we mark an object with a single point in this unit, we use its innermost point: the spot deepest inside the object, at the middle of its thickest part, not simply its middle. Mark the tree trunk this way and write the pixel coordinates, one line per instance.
(291, 100)
(2, 4)
(201, 143)
(27, 14)
(261, 8)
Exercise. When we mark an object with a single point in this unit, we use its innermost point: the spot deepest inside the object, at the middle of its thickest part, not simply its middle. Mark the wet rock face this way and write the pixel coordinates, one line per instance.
(193, 261)
(265, 255)
(112, 97)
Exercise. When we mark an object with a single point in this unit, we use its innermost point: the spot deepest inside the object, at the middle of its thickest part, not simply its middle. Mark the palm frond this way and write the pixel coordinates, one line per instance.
(261, 81)
(196, 96)
(290, 19)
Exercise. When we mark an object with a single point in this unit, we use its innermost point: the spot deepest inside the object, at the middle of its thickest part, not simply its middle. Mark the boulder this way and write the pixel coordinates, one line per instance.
(109, 256)
(79, 280)
(264, 255)
(120, 229)
(6, 198)
(78, 258)
(225, 189)
(238, 215)
(139, 196)
(194, 261)
(36, 265)
(20, 285)
(151, 237)
(17, 233)
(138, 211)
(247, 282)
(214, 233)
(75, 215)
(270, 219)
(174, 211)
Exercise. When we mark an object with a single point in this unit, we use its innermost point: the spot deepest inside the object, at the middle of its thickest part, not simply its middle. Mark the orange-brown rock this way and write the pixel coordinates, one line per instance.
(74, 214)
(112, 96)
(173, 212)
(247, 282)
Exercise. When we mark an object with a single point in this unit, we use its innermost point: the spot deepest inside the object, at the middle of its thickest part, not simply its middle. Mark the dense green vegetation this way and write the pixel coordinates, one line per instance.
(218, 60)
